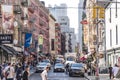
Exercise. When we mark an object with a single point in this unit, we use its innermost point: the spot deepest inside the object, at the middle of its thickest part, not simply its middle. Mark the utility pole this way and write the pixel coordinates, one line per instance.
(97, 47)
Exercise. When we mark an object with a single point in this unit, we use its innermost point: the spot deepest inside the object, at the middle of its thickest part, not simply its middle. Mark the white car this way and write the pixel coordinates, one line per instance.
(41, 66)
(48, 62)
(70, 62)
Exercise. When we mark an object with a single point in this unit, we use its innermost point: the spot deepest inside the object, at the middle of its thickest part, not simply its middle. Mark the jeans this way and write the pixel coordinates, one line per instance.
(9, 79)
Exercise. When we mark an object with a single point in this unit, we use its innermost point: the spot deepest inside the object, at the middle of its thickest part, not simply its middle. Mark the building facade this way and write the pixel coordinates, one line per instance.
(112, 33)
(52, 35)
(39, 16)
(80, 12)
(58, 39)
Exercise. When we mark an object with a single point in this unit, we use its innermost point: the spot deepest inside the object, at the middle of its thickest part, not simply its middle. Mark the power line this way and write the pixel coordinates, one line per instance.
(69, 7)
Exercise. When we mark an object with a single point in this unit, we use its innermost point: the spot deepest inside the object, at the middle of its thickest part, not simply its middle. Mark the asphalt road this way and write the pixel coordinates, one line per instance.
(55, 76)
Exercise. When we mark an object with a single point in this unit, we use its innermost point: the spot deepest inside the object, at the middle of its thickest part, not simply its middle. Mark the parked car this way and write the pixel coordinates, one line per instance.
(48, 62)
(59, 67)
(41, 66)
(76, 69)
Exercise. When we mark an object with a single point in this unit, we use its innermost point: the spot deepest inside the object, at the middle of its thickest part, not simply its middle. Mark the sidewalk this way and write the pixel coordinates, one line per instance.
(101, 77)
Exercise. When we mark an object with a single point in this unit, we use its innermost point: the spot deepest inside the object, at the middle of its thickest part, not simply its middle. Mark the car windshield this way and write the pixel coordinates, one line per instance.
(47, 61)
(76, 65)
(59, 65)
(70, 59)
(42, 64)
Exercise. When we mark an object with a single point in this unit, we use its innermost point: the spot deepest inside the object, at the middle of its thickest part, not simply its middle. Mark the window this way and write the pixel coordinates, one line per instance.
(110, 15)
(52, 44)
(116, 34)
(116, 9)
(110, 37)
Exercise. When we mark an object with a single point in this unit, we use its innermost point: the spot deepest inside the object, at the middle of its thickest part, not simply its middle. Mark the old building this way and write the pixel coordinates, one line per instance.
(52, 36)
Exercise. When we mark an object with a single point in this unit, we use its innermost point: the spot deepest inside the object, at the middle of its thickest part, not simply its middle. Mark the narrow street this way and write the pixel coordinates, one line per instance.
(55, 76)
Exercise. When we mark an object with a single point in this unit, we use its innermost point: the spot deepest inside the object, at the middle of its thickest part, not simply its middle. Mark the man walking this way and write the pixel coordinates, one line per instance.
(26, 73)
(9, 72)
(110, 71)
(44, 73)
(115, 70)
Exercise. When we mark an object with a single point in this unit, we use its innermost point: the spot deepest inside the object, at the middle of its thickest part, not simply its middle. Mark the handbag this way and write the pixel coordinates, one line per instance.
(7, 72)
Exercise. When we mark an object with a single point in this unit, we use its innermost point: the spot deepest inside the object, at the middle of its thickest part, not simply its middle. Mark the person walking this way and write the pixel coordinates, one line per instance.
(44, 74)
(115, 70)
(19, 72)
(9, 72)
(110, 71)
(26, 73)
(67, 67)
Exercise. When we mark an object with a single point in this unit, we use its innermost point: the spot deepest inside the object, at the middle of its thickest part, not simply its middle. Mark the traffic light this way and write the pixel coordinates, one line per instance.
(102, 12)
(94, 15)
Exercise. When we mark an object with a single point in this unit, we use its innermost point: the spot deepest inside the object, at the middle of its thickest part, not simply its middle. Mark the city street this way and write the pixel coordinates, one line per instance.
(63, 76)
(55, 76)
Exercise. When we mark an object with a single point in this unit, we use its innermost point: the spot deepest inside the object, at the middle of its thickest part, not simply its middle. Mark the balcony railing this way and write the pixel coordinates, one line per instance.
(24, 17)
(31, 9)
(17, 9)
(24, 3)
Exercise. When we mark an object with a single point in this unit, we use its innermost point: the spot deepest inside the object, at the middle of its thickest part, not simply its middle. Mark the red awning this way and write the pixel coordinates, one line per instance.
(84, 22)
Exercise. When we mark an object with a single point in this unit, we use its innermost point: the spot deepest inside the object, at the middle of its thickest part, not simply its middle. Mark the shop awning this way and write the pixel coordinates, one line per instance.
(12, 50)
(18, 49)
(6, 50)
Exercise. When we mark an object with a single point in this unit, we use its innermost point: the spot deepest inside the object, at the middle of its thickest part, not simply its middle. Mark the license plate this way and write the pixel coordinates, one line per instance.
(77, 72)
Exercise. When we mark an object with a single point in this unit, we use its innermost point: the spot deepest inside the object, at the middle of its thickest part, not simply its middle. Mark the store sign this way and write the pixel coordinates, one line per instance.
(6, 38)
(40, 40)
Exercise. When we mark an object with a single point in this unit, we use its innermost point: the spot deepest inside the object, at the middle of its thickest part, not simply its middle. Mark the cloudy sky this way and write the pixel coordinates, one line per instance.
(72, 12)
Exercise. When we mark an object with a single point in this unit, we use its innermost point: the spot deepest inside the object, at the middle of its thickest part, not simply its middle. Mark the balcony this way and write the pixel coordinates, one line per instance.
(103, 3)
(24, 17)
(41, 23)
(17, 9)
(24, 3)
(31, 9)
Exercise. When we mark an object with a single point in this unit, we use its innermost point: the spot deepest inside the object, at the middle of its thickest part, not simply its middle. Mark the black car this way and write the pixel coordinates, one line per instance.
(59, 67)
(76, 69)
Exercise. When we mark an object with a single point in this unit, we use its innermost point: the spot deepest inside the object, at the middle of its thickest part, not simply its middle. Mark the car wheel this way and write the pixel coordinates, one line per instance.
(70, 74)
(82, 75)
(54, 71)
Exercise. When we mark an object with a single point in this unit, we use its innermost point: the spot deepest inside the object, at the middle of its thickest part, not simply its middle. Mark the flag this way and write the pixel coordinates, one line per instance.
(28, 40)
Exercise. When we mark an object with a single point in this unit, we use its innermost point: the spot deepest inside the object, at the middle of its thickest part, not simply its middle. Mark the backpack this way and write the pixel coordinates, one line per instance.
(7, 72)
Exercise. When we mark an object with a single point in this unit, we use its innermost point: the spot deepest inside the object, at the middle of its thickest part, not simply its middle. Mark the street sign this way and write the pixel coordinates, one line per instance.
(6, 38)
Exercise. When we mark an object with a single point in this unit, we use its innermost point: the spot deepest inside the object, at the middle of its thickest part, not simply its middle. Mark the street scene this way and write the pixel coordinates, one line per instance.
(59, 40)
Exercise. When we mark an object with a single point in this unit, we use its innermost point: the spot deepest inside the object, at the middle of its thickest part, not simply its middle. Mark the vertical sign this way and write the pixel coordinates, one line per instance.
(40, 43)
(40, 39)
(7, 19)
(28, 40)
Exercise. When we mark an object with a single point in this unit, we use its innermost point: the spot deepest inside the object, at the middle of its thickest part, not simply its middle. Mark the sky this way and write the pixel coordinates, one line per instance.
(72, 12)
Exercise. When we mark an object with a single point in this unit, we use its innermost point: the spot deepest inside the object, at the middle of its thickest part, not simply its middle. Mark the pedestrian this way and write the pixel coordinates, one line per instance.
(44, 74)
(26, 73)
(19, 72)
(9, 72)
(110, 71)
(93, 69)
(115, 70)
(0, 71)
(67, 67)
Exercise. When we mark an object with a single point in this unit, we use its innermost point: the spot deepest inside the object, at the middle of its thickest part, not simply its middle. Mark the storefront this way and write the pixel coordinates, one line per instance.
(113, 56)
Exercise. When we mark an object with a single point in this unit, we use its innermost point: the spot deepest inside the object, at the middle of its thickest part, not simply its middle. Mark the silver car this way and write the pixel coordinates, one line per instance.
(41, 66)
(59, 67)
